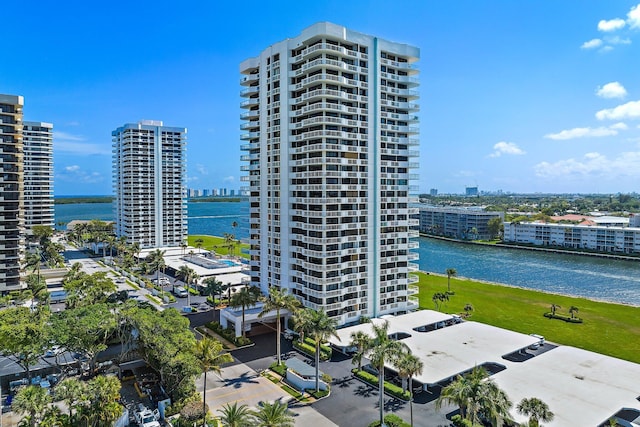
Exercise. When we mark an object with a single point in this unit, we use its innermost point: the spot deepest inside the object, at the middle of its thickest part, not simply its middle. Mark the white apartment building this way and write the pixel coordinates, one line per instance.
(149, 179)
(457, 222)
(38, 174)
(330, 135)
(11, 182)
(605, 239)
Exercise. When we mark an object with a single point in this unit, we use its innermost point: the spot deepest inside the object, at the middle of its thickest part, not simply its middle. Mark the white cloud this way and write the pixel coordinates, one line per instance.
(581, 133)
(630, 110)
(229, 179)
(506, 148)
(75, 174)
(202, 169)
(633, 17)
(591, 44)
(606, 49)
(611, 25)
(67, 136)
(619, 126)
(64, 142)
(617, 40)
(611, 90)
(593, 165)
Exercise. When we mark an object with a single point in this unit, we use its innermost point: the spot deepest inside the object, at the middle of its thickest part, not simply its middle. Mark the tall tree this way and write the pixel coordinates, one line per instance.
(451, 272)
(213, 287)
(31, 400)
(73, 392)
(319, 327)
(274, 414)
(210, 356)
(102, 407)
(363, 342)
(232, 415)
(409, 365)
(245, 298)
(23, 335)
(536, 410)
(466, 391)
(155, 260)
(384, 350)
(278, 299)
(188, 276)
(85, 329)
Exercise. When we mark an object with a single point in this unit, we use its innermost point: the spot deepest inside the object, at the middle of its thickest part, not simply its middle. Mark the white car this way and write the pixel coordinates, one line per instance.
(54, 351)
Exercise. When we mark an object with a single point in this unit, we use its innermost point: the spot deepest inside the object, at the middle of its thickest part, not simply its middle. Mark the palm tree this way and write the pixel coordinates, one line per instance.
(232, 415)
(274, 414)
(320, 327)
(72, 391)
(464, 392)
(409, 365)
(155, 260)
(384, 350)
(277, 300)
(573, 310)
(188, 275)
(468, 308)
(536, 410)
(554, 307)
(494, 403)
(213, 287)
(31, 400)
(438, 298)
(450, 272)
(199, 243)
(246, 297)
(210, 355)
(184, 247)
(362, 341)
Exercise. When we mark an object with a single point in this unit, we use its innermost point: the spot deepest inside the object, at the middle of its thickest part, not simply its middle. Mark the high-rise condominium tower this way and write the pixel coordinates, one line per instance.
(149, 181)
(38, 174)
(11, 181)
(330, 142)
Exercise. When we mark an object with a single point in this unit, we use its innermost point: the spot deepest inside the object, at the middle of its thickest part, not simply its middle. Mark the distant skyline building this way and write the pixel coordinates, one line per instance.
(149, 178)
(11, 191)
(330, 134)
(38, 175)
(471, 191)
(433, 192)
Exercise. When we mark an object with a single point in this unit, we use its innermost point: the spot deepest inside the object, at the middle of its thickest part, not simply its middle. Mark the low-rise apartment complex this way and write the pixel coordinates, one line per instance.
(599, 238)
(457, 222)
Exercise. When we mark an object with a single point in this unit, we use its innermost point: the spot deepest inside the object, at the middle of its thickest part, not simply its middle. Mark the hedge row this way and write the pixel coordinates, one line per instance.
(228, 334)
(391, 420)
(309, 348)
(389, 388)
(568, 319)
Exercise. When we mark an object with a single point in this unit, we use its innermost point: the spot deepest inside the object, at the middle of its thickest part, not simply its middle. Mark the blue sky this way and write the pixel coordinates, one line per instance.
(522, 96)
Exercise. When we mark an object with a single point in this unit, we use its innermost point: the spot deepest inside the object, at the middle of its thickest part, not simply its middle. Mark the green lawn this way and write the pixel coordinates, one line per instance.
(214, 243)
(611, 329)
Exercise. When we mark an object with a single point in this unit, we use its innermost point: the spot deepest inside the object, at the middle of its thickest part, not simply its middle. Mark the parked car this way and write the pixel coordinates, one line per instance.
(54, 351)
(538, 344)
(181, 292)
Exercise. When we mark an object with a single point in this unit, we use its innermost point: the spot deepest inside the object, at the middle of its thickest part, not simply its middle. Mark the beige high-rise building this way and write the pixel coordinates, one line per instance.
(11, 190)
(149, 179)
(330, 137)
(38, 174)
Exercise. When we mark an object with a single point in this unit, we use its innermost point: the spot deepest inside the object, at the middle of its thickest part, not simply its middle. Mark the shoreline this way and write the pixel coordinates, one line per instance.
(533, 248)
(506, 285)
(488, 282)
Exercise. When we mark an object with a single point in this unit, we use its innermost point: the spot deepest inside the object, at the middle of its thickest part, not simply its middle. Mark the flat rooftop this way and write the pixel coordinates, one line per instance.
(582, 388)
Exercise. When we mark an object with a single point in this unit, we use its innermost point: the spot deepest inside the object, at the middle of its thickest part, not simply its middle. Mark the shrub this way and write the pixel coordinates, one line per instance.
(320, 393)
(567, 319)
(391, 420)
(279, 369)
(458, 421)
(389, 388)
(310, 349)
(228, 334)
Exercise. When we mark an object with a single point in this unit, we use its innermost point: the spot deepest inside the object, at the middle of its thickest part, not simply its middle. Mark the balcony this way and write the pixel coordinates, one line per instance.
(250, 103)
(413, 303)
(249, 91)
(253, 114)
(248, 79)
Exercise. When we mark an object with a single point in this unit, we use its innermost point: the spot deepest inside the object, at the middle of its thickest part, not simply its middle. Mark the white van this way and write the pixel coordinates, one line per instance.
(180, 292)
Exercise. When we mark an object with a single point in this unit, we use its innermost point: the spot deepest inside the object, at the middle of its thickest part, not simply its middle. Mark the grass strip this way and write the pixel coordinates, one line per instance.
(607, 328)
